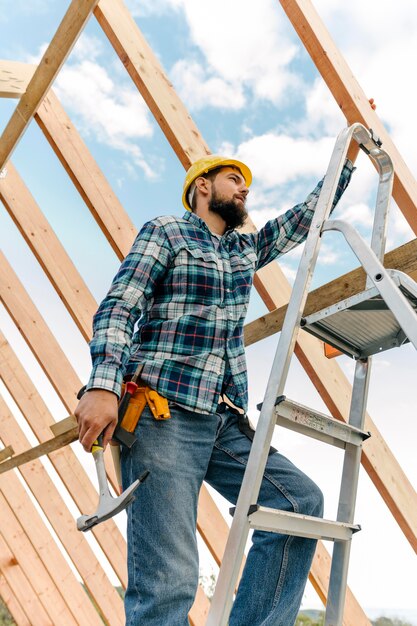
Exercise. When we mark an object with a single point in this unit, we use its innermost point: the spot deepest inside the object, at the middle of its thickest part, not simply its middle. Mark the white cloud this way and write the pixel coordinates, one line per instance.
(277, 159)
(113, 114)
(144, 8)
(358, 215)
(245, 45)
(199, 89)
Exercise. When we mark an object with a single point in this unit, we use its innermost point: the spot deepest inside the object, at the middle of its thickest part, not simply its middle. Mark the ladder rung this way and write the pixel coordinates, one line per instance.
(264, 518)
(314, 424)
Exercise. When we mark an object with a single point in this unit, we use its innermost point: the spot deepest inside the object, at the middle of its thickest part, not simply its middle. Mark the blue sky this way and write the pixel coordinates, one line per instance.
(254, 93)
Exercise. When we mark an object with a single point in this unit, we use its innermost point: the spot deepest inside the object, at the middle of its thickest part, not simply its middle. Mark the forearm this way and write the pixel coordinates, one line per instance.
(290, 229)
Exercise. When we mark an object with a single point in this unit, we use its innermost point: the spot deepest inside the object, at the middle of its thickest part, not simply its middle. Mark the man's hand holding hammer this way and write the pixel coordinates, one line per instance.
(96, 413)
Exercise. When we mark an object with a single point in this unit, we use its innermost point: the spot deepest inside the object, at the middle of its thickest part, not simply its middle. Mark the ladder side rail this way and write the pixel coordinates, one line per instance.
(223, 596)
(396, 301)
(384, 193)
(347, 499)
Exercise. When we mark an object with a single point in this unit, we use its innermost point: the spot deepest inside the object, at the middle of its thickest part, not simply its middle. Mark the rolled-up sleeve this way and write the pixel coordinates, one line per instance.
(283, 233)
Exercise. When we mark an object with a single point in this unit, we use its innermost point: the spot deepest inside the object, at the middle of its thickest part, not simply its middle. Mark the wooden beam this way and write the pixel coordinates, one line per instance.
(151, 80)
(64, 461)
(44, 583)
(56, 511)
(403, 258)
(350, 96)
(48, 250)
(14, 78)
(42, 449)
(16, 578)
(70, 28)
(86, 175)
(6, 453)
(72, 592)
(12, 603)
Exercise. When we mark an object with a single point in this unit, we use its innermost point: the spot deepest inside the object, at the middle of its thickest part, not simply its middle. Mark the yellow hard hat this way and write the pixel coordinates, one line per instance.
(207, 163)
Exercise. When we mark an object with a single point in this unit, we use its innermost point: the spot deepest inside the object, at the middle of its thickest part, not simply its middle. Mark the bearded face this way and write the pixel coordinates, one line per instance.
(232, 211)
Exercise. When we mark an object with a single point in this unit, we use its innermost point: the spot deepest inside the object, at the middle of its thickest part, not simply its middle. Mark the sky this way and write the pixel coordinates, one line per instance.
(254, 93)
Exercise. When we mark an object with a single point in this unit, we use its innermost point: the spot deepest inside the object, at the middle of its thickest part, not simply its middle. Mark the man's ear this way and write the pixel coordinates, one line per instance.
(203, 185)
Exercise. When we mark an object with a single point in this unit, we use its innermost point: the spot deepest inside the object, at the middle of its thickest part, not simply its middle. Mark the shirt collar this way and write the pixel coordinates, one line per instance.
(197, 221)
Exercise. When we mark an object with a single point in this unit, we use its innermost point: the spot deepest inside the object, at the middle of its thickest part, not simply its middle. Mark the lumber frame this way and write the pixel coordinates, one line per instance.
(16, 578)
(72, 474)
(14, 78)
(68, 31)
(38, 534)
(30, 557)
(12, 603)
(350, 96)
(307, 353)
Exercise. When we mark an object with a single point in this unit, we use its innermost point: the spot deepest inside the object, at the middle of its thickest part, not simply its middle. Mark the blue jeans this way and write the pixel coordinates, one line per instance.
(162, 549)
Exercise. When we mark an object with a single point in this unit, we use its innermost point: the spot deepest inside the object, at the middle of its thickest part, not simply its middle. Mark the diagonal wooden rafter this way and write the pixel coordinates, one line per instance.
(38, 534)
(16, 578)
(14, 78)
(350, 96)
(63, 41)
(12, 603)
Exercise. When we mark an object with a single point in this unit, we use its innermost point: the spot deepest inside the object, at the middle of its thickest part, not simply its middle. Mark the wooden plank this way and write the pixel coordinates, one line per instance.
(48, 250)
(14, 78)
(64, 461)
(63, 426)
(200, 609)
(42, 449)
(403, 258)
(51, 556)
(86, 175)
(54, 57)
(22, 588)
(350, 96)
(56, 511)
(13, 605)
(151, 80)
(6, 453)
(42, 581)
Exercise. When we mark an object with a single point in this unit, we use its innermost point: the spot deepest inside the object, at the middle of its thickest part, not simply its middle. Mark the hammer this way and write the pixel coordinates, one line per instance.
(108, 505)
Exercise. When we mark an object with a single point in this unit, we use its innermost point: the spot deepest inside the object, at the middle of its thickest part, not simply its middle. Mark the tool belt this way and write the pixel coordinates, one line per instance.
(143, 396)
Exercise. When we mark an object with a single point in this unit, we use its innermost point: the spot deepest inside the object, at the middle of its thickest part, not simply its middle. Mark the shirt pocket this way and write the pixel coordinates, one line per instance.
(196, 275)
(242, 265)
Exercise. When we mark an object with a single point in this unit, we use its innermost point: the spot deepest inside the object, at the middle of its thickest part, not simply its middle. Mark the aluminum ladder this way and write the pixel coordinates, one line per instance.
(383, 316)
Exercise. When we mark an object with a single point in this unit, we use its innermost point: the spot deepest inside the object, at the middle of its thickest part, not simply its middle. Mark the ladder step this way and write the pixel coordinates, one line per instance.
(306, 421)
(264, 518)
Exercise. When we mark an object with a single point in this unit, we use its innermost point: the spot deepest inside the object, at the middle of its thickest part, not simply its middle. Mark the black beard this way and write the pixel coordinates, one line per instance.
(233, 215)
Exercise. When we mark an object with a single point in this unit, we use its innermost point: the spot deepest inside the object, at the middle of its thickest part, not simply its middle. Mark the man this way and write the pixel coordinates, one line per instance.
(177, 306)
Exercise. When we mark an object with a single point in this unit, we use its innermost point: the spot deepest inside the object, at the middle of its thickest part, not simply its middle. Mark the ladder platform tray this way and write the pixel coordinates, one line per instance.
(362, 325)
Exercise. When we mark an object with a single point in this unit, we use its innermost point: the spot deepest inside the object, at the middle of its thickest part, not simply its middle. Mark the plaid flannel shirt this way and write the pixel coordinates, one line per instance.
(178, 303)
